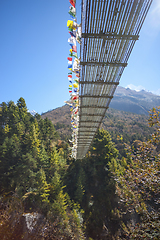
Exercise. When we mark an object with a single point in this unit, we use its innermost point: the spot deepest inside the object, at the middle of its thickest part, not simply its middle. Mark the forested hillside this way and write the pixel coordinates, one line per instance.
(32, 168)
(110, 194)
(124, 127)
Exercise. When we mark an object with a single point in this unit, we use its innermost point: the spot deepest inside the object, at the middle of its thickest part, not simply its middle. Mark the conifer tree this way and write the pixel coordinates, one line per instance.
(32, 167)
(90, 183)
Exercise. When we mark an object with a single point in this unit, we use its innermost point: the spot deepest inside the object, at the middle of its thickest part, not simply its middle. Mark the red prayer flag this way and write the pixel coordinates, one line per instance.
(72, 3)
(69, 58)
(70, 91)
(74, 48)
(74, 98)
(70, 76)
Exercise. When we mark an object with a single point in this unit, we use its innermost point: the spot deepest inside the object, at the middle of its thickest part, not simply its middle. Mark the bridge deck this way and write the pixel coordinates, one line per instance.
(110, 29)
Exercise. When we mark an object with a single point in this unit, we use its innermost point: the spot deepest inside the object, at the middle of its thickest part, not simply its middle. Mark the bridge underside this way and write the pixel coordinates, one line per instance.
(110, 29)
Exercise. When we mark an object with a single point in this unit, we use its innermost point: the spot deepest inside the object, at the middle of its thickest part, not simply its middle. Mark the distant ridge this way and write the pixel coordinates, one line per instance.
(129, 100)
(129, 116)
(131, 126)
(125, 99)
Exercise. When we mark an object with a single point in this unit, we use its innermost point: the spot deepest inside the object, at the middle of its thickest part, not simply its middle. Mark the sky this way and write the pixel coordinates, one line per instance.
(34, 49)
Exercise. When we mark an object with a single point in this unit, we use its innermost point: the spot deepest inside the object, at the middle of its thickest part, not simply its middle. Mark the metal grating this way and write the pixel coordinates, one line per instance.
(110, 29)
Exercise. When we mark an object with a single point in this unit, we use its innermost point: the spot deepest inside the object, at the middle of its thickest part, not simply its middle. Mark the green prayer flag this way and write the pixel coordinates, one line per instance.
(75, 55)
(70, 29)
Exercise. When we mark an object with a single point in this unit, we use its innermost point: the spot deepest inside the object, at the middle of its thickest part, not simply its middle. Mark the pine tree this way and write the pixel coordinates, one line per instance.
(91, 184)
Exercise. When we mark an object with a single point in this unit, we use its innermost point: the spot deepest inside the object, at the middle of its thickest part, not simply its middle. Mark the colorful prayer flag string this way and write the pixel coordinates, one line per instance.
(73, 65)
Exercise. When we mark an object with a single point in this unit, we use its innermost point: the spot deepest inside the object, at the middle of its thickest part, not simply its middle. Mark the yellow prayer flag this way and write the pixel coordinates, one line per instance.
(70, 24)
(75, 85)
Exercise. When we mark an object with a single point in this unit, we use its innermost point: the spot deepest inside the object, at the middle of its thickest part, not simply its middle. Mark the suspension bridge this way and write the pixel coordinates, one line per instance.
(110, 29)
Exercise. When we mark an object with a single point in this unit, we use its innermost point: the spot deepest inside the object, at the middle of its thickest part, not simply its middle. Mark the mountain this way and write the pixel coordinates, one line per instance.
(129, 100)
(124, 127)
(127, 121)
(33, 112)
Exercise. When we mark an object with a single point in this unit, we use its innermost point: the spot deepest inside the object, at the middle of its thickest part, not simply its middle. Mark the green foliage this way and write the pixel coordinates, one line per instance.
(90, 183)
(111, 198)
(43, 187)
(124, 127)
(32, 166)
(138, 187)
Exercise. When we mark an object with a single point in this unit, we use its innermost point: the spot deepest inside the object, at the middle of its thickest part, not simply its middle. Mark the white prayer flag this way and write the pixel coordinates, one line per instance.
(72, 40)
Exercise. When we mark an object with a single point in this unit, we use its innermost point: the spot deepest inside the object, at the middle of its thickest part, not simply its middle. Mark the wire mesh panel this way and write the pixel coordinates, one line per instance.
(110, 29)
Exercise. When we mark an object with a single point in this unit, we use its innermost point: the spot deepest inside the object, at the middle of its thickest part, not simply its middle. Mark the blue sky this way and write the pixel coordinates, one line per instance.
(34, 51)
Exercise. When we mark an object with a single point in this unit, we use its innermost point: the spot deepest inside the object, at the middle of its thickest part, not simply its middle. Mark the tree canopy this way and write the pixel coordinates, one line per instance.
(101, 195)
(32, 168)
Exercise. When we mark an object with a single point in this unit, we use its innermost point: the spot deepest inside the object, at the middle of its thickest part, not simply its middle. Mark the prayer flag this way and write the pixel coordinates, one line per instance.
(70, 76)
(75, 85)
(69, 64)
(70, 29)
(72, 11)
(74, 98)
(75, 65)
(73, 55)
(73, 34)
(72, 3)
(74, 48)
(78, 35)
(72, 40)
(69, 103)
(70, 59)
(79, 31)
(70, 24)
(76, 80)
